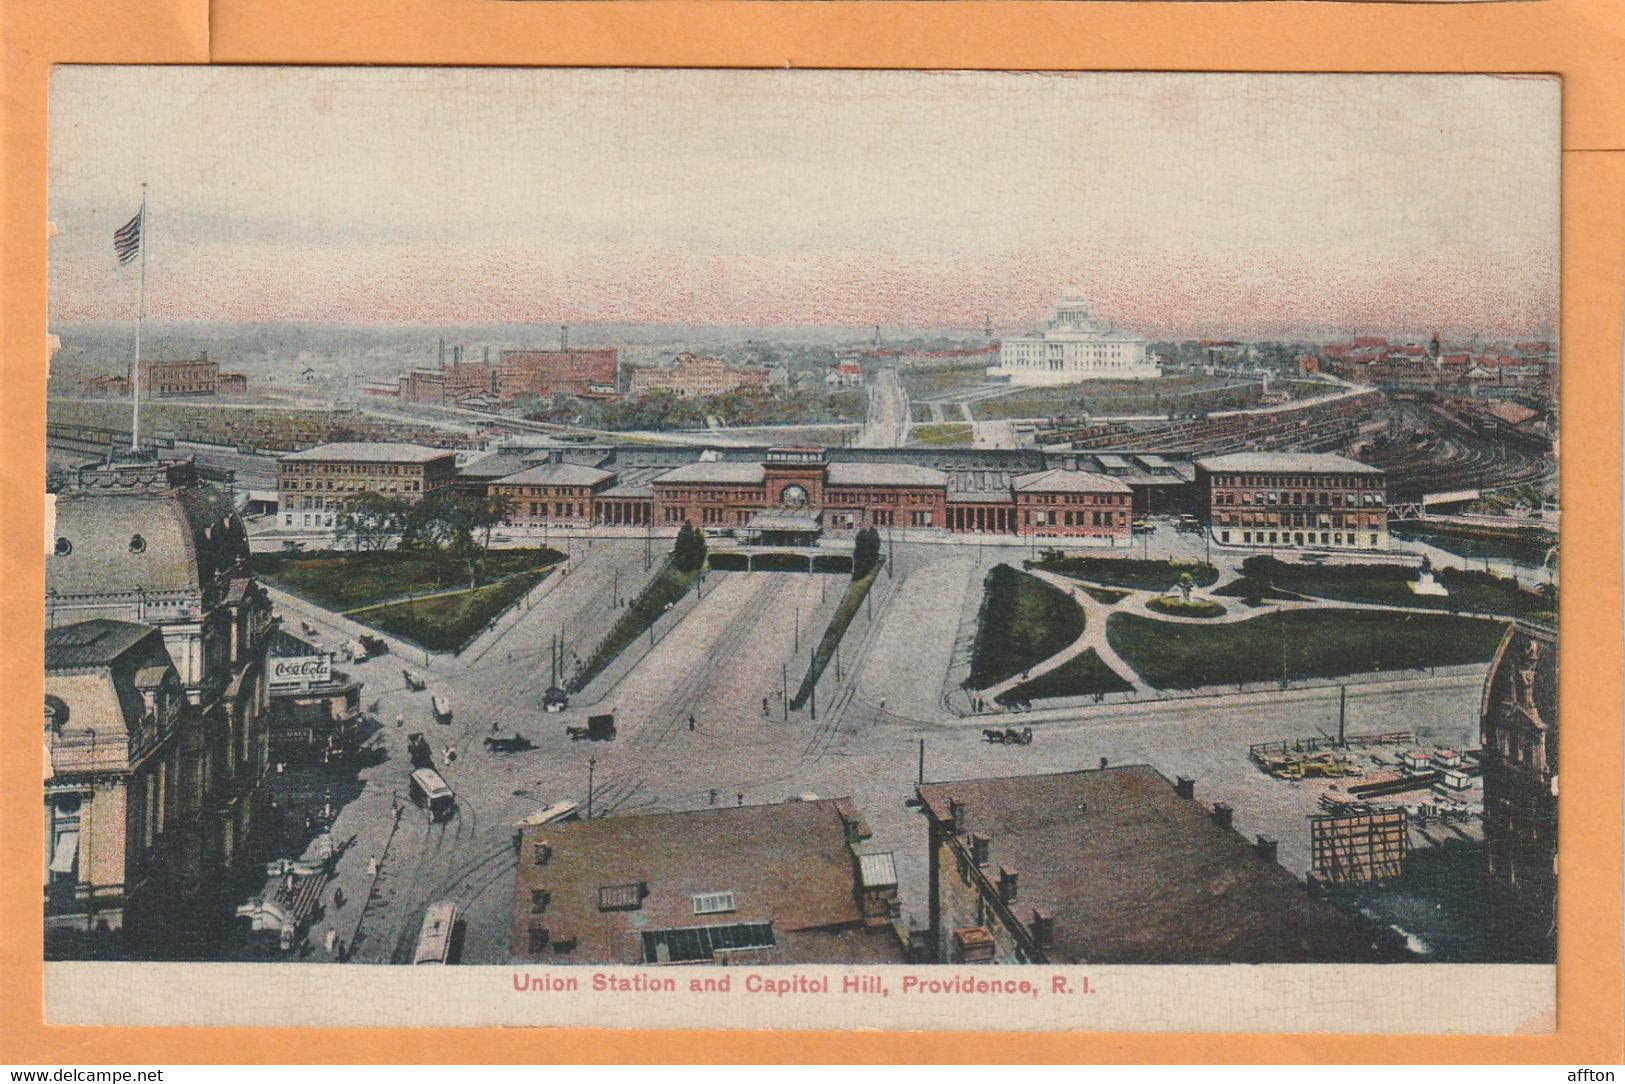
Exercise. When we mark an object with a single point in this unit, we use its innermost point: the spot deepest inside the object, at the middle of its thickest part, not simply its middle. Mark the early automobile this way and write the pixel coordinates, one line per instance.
(414, 680)
(442, 709)
(598, 728)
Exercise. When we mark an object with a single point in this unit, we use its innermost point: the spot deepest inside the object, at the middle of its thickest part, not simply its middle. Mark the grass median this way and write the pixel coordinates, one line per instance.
(856, 592)
(1298, 645)
(663, 592)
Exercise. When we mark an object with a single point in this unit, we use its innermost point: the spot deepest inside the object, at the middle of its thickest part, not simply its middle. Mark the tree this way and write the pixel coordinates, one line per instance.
(371, 521)
(865, 552)
(688, 553)
(488, 512)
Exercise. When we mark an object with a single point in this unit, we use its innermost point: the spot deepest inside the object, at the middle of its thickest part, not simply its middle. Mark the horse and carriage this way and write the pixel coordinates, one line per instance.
(1008, 736)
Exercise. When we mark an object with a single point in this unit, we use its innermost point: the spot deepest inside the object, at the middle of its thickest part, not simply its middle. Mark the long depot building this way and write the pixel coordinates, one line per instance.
(834, 496)
(1295, 500)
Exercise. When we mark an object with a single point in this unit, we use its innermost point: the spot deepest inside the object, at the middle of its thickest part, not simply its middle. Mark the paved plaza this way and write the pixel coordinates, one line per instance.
(723, 657)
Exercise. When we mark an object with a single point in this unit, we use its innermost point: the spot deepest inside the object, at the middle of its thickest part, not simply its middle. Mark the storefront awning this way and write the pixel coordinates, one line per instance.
(66, 852)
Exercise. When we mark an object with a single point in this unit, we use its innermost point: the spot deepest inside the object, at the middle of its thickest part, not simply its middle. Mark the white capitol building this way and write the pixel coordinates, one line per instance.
(1072, 346)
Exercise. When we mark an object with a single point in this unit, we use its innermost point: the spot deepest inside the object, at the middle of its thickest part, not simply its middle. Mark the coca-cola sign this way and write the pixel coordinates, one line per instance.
(302, 670)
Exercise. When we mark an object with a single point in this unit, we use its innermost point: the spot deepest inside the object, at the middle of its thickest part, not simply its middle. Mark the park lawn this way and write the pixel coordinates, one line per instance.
(1389, 585)
(1131, 572)
(856, 592)
(340, 580)
(1310, 643)
(948, 434)
(1082, 675)
(1023, 620)
(446, 622)
(1528, 545)
(670, 585)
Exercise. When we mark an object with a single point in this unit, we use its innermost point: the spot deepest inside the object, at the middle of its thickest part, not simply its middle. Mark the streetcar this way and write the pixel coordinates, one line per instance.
(431, 793)
(434, 937)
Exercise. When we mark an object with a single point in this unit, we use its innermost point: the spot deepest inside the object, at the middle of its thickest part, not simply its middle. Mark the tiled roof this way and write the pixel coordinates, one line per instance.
(1306, 462)
(1133, 873)
(884, 474)
(369, 452)
(558, 474)
(1068, 481)
(724, 471)
(789, 865)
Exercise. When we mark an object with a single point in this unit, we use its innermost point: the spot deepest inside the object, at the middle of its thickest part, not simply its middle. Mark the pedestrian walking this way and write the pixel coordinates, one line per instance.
(691, 722)
(400, 720)
(451, 755)
(764, 707)
(372, 866)
(332, 941)
(310, 822)
(343, 952)
(713, 796)
(739, 799)
(338, 897)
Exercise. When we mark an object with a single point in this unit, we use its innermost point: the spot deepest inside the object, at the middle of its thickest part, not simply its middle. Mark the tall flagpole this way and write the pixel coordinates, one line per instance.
(140, 318)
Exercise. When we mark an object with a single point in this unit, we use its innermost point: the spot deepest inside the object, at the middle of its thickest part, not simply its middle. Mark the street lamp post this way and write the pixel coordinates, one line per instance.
(592, 762)
(784, 689)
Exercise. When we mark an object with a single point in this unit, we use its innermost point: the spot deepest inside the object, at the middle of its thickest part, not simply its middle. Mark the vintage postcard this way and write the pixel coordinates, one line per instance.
(903, 550)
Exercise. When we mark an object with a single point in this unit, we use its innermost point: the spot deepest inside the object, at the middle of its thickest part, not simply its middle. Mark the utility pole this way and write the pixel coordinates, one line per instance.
(797, 648)
(815, 700)
(784, 689)
(1342, 713)
(592, 762)
(921, 777)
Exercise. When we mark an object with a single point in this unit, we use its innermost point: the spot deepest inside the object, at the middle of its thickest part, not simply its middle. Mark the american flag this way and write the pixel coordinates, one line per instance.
(127, 239)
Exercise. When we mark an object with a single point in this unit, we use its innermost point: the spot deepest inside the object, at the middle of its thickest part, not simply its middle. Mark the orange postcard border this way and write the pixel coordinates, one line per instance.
(1582, 40)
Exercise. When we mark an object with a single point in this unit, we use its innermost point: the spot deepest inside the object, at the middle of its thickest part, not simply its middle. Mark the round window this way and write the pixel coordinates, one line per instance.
(793, 495)
(63, 547)
(137, 544)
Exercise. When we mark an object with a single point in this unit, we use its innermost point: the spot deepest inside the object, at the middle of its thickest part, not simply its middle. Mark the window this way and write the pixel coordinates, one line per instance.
(712, 903)
(539, 898)
(695, 943)
(138, 544)
(627, 897)
(63, 547)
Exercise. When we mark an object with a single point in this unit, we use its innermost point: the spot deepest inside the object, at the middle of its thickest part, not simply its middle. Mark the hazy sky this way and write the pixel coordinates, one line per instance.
(1181, 204)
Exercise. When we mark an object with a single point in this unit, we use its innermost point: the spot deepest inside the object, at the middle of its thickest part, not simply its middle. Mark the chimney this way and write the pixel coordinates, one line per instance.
(1007, 884)
(956, 814)
(1043, 926)
(203, 355)
(979, 845)
(1185, 786)
(1266, 848)
(442, 355)
(1222, 814)
(487, 355)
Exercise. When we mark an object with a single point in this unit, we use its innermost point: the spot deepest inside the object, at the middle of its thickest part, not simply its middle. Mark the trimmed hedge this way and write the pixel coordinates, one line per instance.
(668, 586)
(1178, 607)
(856, 591)
(1131, 572)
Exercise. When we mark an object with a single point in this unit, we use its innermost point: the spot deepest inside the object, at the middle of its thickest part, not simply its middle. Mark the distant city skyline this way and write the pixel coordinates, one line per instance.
(1180, 205)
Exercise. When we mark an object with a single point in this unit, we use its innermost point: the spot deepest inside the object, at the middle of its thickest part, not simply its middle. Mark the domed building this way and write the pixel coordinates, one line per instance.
(136, 547)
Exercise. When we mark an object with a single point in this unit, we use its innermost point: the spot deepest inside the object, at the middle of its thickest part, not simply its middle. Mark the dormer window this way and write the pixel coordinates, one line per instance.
(138, 544)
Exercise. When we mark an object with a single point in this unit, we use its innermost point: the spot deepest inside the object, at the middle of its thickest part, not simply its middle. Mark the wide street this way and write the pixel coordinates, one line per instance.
(721, 656)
